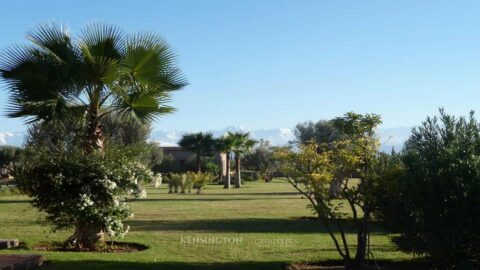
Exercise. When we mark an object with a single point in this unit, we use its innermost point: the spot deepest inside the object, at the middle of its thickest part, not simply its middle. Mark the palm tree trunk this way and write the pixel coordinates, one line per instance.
(238, 183)
(221, 166)
(227, 184)
(199, 163)
(95, 136)
(89, 235)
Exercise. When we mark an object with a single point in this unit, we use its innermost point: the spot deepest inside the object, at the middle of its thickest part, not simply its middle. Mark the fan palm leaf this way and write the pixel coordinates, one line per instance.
(241, 144)
(202, 144)
(102, 71)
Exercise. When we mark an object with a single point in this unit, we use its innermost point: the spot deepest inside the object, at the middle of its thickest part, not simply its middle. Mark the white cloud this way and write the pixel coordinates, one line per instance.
(11, 138)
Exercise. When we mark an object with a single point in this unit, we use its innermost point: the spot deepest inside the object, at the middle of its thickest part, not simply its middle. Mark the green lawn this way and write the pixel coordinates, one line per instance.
(260, 220)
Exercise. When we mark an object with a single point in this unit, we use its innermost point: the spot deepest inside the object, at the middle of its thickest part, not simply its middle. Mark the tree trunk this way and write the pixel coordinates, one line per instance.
(227, 184)
(199, 163)
(95, 136)
(89, 235)
(86, 236)
(238, 182)
(335, 187)
(362, 241)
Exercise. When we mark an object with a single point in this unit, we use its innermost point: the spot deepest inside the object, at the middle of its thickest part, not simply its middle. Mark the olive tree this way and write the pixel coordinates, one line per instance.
(314, 167)
(436, 192)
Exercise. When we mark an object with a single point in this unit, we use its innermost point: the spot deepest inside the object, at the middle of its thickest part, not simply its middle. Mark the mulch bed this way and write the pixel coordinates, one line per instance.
(117, 247)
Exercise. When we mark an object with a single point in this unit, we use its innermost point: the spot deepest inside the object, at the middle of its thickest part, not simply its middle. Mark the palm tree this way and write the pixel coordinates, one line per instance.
(101, 72)
(242, 145)
(226, 145)
(202, 144)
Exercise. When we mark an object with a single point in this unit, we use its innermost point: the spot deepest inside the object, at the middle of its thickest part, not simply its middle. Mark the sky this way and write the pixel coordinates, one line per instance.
(266, 64)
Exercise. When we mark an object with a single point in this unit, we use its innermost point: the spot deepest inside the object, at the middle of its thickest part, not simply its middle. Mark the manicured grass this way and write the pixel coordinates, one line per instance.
(261, 221)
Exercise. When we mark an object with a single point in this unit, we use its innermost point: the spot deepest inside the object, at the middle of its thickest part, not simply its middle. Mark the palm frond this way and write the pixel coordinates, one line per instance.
(45, 110)
(130, 75)
(55, 39)
(100, 70)
(103, 48)
(103, 40)
(150, 61)
(37, 85)
(142, 106)
(241, 142)
(200, 143)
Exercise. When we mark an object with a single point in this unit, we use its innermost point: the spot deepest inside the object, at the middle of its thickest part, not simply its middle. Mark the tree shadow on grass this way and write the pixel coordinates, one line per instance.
(287, 193)
(206, 193)
(246, 225)
(195, 198)
(14, 201)
(415, 264)
(412, 264)
(118, 265)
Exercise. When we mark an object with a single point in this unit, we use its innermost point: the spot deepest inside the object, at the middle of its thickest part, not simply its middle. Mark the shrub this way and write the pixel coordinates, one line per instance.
(179, 181)
(168, 165)
(10, 158)
(250, 175)
(6, 190)
(184, 182)
(439, 192)
(200, 180)
(211, 166)
(157, 181)
(313, 168)
(173, 180)
(261, 160)
(387, 196)
(81, 191)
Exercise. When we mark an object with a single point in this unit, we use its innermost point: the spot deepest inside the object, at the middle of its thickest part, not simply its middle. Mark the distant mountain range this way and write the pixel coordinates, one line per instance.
(276, 136)
(390, 137)
(393, 138)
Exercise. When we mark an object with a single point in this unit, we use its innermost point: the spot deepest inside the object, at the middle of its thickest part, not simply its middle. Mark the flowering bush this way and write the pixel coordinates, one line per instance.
(157, 181)
(85, 192)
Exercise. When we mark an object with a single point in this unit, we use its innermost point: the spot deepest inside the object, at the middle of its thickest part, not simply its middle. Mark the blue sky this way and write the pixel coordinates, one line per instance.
(264, 64)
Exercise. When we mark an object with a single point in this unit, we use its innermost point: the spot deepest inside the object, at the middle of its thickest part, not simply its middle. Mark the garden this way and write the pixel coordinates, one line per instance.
(89, 190)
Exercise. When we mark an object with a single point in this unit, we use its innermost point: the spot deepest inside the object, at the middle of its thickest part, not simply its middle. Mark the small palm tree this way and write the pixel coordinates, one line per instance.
(202, 144)
(102, 72)
(226, 145)
(242, 145)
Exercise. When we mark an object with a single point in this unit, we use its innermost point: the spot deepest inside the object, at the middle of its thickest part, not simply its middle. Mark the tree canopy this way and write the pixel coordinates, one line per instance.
(99, 72)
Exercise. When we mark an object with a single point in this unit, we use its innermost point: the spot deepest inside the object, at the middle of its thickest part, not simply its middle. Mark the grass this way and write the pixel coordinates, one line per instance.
(256, 227)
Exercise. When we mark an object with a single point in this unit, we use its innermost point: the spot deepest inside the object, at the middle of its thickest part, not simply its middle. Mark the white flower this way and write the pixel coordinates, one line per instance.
(158, 180)
(109, 184)
(85, 201)
(140, 193)
(143, 194)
